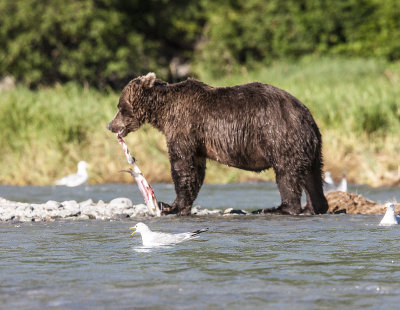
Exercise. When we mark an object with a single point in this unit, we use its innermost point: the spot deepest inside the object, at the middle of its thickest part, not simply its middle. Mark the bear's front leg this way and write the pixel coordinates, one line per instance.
(188, 176)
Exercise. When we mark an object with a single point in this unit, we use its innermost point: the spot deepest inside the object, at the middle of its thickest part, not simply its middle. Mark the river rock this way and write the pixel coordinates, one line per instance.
(342, 202)
(339, 202)
(196, 210)
(232, 211)
(27, 212)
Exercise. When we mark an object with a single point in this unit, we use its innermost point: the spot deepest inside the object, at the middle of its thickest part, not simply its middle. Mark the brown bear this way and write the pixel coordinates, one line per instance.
(252, 127)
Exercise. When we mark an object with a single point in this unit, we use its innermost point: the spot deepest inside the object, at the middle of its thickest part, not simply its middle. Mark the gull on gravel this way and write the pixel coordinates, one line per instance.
(328, 178)
(330, 186)
(390, 217)
(76, 179)
(342, 187)
(152, 238)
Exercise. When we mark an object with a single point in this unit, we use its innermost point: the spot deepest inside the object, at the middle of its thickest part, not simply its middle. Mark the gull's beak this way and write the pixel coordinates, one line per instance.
(132, 228)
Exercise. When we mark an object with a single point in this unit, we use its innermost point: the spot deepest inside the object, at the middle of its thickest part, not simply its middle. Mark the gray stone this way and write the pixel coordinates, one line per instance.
(231, 211)
(196, 210)
(70, 209)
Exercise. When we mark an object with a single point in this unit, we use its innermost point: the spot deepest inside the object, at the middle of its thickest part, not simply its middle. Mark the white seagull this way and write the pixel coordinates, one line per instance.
(76, 179)
(390, 217)
(342, 187)
(151, 238)
(330, 186)
(328, 178)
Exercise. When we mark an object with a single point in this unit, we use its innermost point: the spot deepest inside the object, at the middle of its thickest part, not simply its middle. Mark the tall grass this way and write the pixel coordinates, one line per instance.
(44, 133)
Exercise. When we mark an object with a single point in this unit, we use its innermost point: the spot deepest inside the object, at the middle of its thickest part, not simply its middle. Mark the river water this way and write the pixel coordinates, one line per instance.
(242, 262)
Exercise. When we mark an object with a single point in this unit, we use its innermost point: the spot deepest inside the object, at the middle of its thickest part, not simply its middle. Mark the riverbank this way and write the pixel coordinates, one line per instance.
(44, 133)
(339, 203)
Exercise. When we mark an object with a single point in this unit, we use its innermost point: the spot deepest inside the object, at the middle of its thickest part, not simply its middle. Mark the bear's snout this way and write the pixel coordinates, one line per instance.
(110, 127)
(114, 128)
(117, 124)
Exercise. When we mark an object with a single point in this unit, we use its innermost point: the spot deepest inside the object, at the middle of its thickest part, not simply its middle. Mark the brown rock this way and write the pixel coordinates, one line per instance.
(341, 202)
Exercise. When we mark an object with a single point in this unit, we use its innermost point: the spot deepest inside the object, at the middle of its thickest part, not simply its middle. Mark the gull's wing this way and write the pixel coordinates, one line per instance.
(197, 232)
(66, 180)
(388, 219)
(164, 238)
(73, 180)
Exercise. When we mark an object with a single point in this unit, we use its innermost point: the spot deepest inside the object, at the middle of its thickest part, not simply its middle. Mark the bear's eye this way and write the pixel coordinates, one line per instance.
(122, 109)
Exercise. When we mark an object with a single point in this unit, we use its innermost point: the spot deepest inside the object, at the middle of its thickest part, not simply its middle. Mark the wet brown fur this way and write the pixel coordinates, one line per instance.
(252, 127)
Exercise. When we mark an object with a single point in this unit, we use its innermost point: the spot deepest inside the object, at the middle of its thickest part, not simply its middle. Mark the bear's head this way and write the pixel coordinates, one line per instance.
(132, 105)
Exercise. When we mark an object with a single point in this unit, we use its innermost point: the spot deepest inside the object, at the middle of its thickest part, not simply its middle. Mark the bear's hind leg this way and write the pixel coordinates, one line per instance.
(316, 201)
(290, 191)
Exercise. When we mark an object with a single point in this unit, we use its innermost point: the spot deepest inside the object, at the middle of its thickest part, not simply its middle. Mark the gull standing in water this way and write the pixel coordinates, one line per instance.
(76, 179)
(152, 238)
(390, 217)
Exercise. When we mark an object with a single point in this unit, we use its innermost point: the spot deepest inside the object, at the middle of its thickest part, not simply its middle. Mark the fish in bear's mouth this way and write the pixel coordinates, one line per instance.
(121, 132)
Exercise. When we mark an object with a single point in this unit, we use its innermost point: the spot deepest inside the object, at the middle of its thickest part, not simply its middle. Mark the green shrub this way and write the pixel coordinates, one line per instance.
(256, 32)
(88, 41)
(107, 42)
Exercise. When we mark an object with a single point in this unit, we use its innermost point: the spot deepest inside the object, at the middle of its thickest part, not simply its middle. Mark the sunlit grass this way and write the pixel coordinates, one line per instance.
(44, 133)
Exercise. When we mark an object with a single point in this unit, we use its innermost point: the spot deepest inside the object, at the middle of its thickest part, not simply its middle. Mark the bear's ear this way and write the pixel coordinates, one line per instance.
(148, 80)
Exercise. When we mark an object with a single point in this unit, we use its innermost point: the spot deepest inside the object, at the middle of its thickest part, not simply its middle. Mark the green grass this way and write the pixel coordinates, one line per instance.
(44, 133)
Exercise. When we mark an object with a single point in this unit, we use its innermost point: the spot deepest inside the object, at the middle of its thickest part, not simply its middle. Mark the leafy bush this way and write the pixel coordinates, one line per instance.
(96, 41)
(256, 32)
(106, 42)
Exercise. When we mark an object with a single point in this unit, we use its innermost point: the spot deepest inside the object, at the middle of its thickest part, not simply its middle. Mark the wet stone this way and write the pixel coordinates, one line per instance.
(231, 211)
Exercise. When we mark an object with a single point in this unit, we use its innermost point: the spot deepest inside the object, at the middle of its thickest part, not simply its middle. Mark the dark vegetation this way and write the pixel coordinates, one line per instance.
(106, 42)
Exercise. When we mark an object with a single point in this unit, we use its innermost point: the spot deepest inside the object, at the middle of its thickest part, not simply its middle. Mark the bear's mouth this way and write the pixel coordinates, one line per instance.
(122, 132)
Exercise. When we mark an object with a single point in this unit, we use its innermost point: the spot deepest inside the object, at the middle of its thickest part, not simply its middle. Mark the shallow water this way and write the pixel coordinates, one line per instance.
(274, 262)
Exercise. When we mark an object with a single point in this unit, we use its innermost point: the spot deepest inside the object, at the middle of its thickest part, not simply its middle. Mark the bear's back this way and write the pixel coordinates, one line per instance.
(248, 98)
